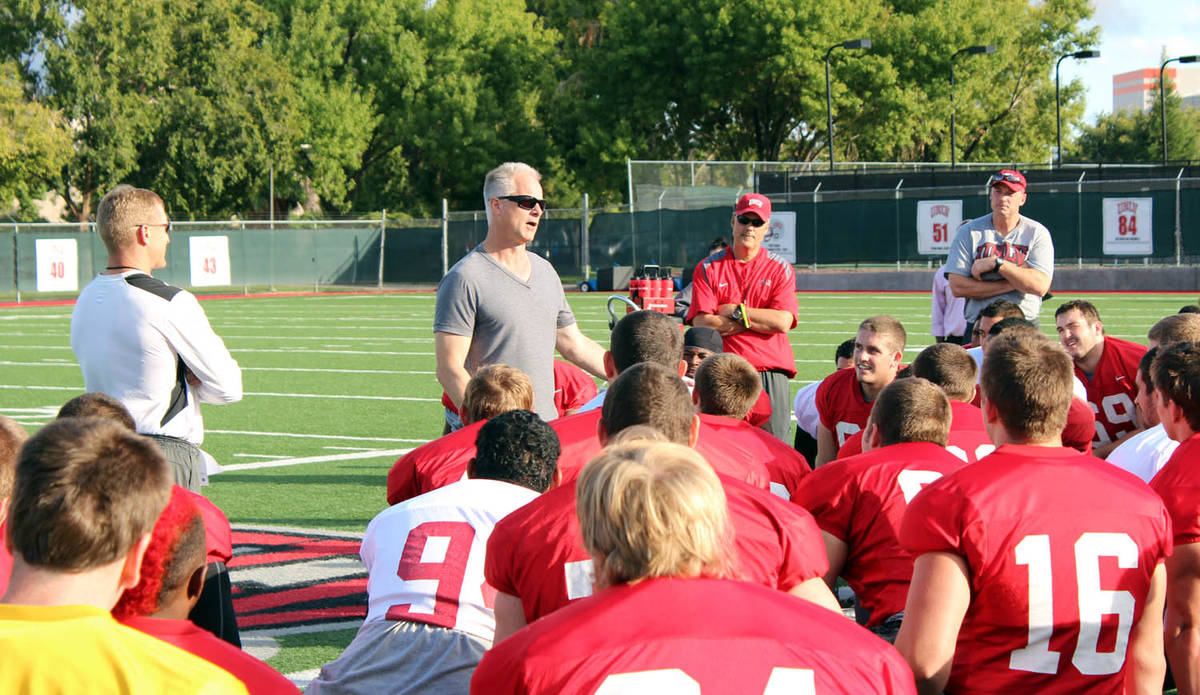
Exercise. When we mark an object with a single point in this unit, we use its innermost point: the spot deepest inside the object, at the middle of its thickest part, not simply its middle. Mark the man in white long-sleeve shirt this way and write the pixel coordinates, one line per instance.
(146, 343)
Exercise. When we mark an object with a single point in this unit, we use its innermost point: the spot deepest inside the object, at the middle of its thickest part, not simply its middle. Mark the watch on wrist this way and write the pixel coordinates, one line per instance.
(741, 316)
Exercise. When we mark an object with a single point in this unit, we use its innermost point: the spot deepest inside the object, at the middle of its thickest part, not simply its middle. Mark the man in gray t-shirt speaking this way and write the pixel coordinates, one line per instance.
(503, 304)
(1002, 255)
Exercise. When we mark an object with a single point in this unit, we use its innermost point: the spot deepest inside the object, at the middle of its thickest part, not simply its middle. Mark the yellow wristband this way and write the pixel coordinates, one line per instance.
(745, 316)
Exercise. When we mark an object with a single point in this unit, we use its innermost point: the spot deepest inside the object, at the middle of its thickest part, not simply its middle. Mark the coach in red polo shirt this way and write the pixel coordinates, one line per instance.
(748, 294)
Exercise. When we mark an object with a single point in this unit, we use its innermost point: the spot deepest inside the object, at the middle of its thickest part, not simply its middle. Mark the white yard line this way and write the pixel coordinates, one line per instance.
(383, 453)
(336, 395)
(401, 372)
(304, 435)
(252, 393)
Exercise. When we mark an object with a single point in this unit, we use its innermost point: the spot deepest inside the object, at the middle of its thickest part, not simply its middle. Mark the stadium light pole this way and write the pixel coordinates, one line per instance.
(852, 45)
(970, 50)
(1162, 96)
(1078, 55)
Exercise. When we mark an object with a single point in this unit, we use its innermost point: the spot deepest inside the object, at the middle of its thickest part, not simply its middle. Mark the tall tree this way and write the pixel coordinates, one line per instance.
(179, 96)
(34, 144)
(1136, 136)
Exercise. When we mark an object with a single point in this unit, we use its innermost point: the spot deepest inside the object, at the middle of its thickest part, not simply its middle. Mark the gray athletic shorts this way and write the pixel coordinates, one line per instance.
(399, 657)
(187, 463)
(775, 383)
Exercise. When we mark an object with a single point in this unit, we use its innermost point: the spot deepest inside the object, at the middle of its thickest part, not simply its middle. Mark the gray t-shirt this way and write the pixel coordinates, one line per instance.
(1028, 244)
(509, 320)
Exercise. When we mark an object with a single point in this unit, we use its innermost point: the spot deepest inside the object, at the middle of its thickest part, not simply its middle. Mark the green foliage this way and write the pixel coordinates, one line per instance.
(359, 105)
(696, 80)
(1126, 136)
(33, 144)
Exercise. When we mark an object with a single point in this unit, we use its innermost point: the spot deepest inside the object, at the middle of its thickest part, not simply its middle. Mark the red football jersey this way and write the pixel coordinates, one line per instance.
(841, 405)
(711, 636)
(1112, 388)
(218, 536)
(577, 437)
(573, 387)
(1178, 483)
(968, 438)
(785, 466)
(432, 465)
(760, 412)
(536, 553)
(260, 679)
(766, 282)
(861, 501)
(1060, 549)
(1080, 429)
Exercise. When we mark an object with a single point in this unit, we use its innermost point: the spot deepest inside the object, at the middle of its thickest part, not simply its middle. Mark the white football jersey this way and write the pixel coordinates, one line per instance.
(424, 556)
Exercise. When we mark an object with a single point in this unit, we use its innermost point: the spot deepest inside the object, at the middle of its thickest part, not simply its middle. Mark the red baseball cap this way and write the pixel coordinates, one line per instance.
(1009, 178)
(757, 203)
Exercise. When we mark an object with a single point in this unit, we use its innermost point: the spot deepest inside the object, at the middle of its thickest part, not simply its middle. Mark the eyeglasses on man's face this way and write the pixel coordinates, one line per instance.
(750, 220)
(525, 202)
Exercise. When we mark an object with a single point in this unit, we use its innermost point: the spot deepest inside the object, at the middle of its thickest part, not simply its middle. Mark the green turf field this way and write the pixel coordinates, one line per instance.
(338, 386)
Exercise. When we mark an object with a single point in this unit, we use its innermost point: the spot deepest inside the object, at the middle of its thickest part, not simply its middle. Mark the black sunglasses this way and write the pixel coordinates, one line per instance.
(1010, 178)
(525, 202)
(750, 221)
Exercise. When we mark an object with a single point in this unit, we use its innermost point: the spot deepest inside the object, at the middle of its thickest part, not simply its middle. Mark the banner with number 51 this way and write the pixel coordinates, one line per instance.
(210, 261)
(937, 220)
(1128, 227)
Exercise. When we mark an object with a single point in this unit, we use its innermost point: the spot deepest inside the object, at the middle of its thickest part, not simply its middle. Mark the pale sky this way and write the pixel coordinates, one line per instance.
(1134, 35)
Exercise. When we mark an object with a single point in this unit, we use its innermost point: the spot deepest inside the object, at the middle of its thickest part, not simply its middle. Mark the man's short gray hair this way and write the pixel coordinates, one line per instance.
(499, 181)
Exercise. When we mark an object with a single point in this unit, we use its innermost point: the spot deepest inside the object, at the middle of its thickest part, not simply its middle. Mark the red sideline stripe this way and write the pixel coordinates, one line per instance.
(285, 548)
(276, 599)
(304, 616)
(206, 297)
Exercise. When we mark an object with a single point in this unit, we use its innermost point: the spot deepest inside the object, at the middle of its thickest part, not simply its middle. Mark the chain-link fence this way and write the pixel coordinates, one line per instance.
(833, 226)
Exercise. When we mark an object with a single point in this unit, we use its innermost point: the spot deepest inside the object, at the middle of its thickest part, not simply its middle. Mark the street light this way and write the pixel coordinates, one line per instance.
(1078, 55)
(1162, 96)
(855, 44)
(972, 50)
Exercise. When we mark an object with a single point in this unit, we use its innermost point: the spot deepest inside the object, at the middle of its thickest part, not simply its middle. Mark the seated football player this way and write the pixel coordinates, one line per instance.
(213, 611)
(1025, 579)
(666, 617)
(96, 488)
(648, 336)
(727, 386)
(1080, 429)
(573, 388)
(1145, 453)
(804, 407)
(535, 560)
(493, 389)
(1176, 328)
(951, 368)
(172, 578)
(1107, 366)
(1176, 376)
(429, 611)
(859, 501)
(12, 436)
(845, 398)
